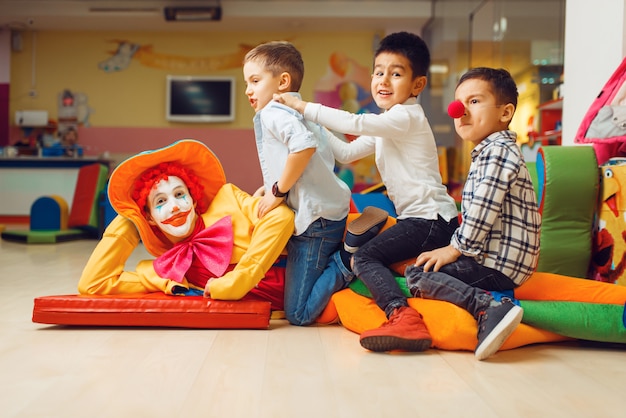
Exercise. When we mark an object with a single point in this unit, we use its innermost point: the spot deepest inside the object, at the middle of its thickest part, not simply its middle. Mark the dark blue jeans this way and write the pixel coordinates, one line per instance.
(464, 283)
(406, 239)
(314, 270)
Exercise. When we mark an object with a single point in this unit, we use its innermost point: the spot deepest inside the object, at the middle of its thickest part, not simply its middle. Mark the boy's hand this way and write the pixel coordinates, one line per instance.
(438, 258)
(267, 203)
(291, 101)
(259, 192)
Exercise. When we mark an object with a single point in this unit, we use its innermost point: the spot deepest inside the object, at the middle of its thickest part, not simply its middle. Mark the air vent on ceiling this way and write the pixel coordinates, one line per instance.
(192, 14)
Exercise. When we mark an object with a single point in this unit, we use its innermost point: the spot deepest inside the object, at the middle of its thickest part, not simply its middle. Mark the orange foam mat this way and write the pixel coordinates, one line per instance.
(151, 310)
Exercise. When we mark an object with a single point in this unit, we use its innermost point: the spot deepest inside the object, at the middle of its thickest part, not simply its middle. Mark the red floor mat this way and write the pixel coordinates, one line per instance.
(151, 310)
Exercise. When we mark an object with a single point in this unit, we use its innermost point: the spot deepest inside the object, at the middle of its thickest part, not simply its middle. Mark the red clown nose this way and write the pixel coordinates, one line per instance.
(456, 109)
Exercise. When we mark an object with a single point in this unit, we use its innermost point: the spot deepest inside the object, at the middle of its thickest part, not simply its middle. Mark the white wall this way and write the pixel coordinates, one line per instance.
(595, 44)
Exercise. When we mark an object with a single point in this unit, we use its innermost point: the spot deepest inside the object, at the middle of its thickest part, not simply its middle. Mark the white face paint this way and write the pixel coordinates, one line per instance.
(172, 208)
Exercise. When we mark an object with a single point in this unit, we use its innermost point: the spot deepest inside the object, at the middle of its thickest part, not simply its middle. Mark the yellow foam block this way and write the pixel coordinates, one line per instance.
(64, 209)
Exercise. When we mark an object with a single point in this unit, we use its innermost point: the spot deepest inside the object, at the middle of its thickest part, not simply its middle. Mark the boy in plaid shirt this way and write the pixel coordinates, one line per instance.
(496, 247)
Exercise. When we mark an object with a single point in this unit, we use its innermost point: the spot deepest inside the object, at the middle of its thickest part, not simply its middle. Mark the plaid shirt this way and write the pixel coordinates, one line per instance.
(501, 221)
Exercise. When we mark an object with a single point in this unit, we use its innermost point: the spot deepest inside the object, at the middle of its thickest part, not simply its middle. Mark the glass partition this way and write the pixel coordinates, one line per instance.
(524, 37)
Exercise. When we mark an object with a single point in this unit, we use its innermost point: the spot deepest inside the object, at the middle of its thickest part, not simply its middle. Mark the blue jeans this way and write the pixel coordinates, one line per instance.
(314, 270)
(464, 283)
(407, 239)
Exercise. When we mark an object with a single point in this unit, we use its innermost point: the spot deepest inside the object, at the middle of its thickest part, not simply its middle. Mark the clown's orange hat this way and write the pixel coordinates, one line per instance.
(191, 154)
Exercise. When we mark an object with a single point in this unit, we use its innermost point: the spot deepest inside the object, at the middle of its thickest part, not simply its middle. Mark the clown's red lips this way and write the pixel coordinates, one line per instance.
(178, 219)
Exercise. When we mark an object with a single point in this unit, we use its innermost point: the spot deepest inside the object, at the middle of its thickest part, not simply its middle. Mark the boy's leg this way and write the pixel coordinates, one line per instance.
(474, 274)
(496, 320)
(313, 271)
(404, 240)
(405, 329)
(441, 286)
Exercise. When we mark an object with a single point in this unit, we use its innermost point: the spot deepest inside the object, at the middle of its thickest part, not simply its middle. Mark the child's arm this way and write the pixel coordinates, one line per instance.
(344, 152)
(493, 174)
(491, 178)
(347, 152)
(394, 122)
(294, 167)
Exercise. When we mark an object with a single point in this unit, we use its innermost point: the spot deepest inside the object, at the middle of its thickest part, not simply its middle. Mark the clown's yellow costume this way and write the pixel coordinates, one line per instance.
(257, 243)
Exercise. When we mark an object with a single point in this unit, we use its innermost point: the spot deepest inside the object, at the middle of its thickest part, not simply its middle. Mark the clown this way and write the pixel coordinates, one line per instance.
(205, 234)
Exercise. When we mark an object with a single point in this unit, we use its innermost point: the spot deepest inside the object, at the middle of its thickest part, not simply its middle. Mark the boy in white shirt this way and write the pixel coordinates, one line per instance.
(298, 169)
(406, 157)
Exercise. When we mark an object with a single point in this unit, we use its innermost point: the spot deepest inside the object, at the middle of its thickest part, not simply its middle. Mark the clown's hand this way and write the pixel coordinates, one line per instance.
(207, 289)
(183, 291)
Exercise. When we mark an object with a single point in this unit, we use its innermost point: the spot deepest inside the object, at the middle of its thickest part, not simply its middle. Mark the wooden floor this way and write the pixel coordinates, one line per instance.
(287, 371)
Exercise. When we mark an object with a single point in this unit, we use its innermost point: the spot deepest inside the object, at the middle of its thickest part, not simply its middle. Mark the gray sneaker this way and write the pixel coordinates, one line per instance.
(495, 325)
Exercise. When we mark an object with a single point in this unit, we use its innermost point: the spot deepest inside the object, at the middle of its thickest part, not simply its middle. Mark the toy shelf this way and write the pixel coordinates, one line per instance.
(550, 115)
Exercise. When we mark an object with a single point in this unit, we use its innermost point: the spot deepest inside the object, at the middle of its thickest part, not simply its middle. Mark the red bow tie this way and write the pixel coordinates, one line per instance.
(213, 246)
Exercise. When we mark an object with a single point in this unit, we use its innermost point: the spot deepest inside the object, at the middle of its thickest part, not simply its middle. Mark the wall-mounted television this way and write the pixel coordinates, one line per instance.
(200, 99)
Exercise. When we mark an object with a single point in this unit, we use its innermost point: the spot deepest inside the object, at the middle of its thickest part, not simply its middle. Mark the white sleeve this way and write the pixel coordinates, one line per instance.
(394, 122)
(347, 152)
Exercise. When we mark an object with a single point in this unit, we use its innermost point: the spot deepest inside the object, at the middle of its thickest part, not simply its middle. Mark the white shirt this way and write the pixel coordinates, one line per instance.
(318, 193)
(405, 153)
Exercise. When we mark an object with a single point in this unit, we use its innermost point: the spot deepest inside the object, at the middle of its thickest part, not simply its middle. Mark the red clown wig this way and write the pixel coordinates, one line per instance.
(162, 171)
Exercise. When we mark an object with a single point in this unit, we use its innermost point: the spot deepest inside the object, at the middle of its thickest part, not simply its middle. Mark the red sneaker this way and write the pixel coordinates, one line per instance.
(405, 330)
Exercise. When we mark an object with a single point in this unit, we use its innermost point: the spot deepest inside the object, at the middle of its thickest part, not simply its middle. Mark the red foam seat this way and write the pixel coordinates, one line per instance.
(152, 310)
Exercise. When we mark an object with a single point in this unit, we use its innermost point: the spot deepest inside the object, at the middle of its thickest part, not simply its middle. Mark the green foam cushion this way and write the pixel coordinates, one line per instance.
(568, 178)
(46, 237)
(359, 287)
(582, 320)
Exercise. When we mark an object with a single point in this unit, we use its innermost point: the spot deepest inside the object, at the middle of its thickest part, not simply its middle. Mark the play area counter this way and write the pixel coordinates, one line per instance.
(24, 179)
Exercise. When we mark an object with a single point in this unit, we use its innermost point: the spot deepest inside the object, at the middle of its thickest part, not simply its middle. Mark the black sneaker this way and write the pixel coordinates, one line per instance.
(495, 325)
(365, 227)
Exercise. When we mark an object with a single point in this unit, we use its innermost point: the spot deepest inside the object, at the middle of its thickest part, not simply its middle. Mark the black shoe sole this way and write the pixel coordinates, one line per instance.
(371, 217)
(364, 228)
(381, 344)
